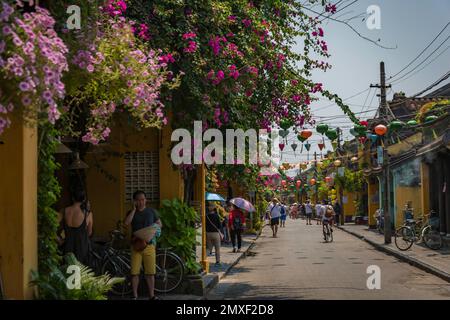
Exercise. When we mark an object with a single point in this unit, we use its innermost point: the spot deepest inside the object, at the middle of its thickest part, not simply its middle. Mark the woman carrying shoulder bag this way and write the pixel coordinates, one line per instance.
(213, 234)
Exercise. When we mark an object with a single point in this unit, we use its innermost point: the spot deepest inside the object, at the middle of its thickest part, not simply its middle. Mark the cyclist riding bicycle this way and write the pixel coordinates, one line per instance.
(327, 218)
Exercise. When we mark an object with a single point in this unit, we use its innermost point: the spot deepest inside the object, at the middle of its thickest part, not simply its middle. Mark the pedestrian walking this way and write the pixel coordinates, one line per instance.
(236, 224)
(283, 215)
(77, 222)
(337, 211)
(274, 210)
(308, 212)
(213, 234)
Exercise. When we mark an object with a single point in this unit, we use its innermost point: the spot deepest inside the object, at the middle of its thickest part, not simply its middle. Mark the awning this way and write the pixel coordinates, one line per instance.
(441, 142)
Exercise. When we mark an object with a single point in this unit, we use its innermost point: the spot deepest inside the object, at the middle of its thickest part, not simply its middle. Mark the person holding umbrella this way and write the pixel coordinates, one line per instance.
(236, 220)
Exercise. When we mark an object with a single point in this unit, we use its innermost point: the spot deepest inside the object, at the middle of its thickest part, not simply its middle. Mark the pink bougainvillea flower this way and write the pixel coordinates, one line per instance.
(234, 73)
(167, 58)
(189, 35)
(320, 32)
(192, 47)
(330, 8)
(247, 22)
(232, 18)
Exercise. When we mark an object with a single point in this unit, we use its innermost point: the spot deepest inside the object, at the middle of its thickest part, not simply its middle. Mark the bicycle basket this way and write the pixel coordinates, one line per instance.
(434, 223)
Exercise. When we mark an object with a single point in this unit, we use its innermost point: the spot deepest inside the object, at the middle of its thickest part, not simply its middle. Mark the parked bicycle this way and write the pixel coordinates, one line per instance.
(416, 230)
(117, 263)
(327, 231)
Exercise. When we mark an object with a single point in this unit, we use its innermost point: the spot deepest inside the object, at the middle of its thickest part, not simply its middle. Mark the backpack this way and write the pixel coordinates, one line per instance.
(329, 212)
(237, 223)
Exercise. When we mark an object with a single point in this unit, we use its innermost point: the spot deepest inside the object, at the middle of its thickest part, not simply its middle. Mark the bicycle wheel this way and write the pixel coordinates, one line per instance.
(119, 268)
(404, 238)
(432, 238)
(169, 272)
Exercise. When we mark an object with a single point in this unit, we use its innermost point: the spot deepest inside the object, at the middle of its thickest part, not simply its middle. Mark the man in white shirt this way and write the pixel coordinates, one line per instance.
(308, 212)
(320, 211)
(274, 210)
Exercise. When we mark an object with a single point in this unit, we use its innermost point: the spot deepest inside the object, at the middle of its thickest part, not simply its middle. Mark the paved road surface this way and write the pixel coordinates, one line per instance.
(299, 265)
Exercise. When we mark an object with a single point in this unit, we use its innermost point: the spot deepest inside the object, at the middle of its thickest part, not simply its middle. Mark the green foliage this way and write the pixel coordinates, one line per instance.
(53, 286)
(352, 181)
(179, 233)
(48, 193)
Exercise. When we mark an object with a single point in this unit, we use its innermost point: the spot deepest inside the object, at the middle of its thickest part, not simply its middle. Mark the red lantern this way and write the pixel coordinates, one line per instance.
(312, 181)
(327, 179)
(299, 183)
(380, 130)
(306, 134)
(281, 145)
(283, 183)
(362, 140)
(364, 123)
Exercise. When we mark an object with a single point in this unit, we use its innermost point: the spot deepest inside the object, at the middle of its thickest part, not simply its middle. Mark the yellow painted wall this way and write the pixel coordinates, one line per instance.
(402, 195)
(373, 189)
(18, 209)
(108, 197)
(424, 187)
(349, 207)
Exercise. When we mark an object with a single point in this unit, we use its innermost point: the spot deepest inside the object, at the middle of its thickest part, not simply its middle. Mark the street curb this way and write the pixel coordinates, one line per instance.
(216, 278)
(412, 261)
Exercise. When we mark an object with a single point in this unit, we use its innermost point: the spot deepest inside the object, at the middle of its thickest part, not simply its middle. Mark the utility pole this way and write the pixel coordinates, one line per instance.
(341, 192)
(384, 116)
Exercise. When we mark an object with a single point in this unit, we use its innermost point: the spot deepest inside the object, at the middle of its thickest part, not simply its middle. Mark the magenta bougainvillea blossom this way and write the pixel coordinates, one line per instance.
(32, 62)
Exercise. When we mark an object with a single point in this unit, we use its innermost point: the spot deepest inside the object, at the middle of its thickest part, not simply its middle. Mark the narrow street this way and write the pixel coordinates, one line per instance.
(299, 265)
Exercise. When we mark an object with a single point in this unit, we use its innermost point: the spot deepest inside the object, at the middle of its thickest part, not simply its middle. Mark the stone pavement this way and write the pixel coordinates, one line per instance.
(436, 262)
(300, 265)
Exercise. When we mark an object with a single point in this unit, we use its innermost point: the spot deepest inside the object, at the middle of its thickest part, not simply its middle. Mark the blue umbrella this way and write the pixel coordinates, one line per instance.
(213, 197)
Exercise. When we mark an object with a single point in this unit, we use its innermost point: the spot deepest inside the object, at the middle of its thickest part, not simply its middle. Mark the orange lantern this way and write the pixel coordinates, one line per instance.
(380, 130)
(306, 134)
(312, 181)
(299, 183)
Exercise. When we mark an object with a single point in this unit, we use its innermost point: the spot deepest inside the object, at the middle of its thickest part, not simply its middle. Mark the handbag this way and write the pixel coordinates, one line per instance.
(138, 244)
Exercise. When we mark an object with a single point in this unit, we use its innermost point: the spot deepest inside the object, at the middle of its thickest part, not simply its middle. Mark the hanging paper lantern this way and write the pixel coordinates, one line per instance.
(285, 124)
(334, 144)
(312, 181)
(306, 133)
(354, 159)
(298, 183)
(430, 118)
(294, 146)
(373, 137)
(364, 123)
(353, 132)
(281, 145)
(380, 130)
(362, 140)
(328, 179)
(396, 125)
(283, 183)
(321, 146)
(304, 165)
(307, 146)
(322, 128)
(412, 123)
(337, 163)
(331, 134)
(301, 139)
(360, 130)
(320, 163)
(283, 133)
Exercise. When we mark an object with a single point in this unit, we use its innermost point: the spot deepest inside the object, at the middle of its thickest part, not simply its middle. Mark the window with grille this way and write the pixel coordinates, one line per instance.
(142, 173)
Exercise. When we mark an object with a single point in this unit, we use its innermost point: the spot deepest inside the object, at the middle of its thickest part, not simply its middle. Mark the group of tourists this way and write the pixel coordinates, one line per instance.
(277, 212)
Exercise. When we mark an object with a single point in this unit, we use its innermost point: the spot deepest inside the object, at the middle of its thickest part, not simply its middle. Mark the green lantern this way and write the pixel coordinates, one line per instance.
(361, 130)
(331, 134)
(411, 123)
(322, 128)
(396, 125)
(353, 132)
(430, 118)
(301, 139)
(285, 124)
